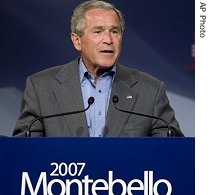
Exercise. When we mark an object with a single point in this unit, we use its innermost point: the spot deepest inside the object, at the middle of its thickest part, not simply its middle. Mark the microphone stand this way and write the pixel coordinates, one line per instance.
(28, 132)
(115, 100)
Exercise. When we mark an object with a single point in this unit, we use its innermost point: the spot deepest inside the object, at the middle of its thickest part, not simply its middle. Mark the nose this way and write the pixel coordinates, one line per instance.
(107, 38)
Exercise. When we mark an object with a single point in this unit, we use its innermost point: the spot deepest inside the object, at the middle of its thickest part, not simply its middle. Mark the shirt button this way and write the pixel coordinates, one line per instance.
(99, 91)
(99, 112)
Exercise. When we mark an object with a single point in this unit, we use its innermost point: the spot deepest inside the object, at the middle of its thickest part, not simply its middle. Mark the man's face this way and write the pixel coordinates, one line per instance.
(100, 45)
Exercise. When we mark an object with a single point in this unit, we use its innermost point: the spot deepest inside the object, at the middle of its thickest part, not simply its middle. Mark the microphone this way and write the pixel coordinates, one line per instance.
(29, 131)
(115, 100)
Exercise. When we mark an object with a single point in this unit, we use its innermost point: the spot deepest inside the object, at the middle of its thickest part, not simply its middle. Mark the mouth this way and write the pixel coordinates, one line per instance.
(107, 51)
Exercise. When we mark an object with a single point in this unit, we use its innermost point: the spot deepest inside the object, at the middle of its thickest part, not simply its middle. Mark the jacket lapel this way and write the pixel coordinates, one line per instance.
(69, 98)
(122, 87)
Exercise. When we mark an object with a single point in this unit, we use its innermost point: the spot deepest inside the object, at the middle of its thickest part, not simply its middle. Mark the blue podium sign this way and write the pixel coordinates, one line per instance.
(97, 166)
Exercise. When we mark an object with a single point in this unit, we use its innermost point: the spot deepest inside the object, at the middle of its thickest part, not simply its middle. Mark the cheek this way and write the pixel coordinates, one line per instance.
(90, 47)
(88, 43)
(119, 43)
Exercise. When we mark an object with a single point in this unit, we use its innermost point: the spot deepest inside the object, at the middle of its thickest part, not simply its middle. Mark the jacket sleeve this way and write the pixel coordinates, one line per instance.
(28, 112)
(163, 110)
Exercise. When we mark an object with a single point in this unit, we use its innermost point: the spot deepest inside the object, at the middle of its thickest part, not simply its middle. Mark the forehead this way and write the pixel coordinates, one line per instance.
(102, 16)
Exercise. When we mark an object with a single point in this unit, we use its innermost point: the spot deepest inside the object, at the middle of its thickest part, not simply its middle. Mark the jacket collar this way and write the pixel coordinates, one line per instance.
(69, 98)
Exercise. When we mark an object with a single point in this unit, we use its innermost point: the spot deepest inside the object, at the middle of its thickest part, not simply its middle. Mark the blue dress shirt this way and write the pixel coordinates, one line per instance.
(96, 114)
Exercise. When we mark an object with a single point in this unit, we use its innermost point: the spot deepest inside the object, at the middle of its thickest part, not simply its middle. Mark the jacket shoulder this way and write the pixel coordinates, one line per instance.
(59, 71)
(138, 76)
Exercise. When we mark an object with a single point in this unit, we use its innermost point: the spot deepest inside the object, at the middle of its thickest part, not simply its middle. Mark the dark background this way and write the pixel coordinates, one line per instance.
(158, 39)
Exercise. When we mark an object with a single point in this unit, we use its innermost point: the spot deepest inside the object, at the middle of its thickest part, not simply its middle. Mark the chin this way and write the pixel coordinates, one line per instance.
(106, 66)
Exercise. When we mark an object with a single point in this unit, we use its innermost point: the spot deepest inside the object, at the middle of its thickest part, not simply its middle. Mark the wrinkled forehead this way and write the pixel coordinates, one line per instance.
(102, 17)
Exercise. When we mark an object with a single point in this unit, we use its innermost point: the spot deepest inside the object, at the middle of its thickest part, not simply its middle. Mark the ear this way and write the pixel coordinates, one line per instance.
(76, 40)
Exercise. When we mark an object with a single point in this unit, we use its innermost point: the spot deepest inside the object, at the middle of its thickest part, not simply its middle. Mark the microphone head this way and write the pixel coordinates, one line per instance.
(115, 99)
(91, 100)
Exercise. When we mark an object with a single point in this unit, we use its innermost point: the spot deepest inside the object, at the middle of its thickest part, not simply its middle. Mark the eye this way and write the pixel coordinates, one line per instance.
(97, 31)
(115, 31)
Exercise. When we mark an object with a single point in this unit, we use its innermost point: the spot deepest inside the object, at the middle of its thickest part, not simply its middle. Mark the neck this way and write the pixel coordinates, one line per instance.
(97, 72)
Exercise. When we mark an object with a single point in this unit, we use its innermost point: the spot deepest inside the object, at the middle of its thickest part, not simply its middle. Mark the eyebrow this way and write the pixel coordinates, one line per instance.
(102, 27)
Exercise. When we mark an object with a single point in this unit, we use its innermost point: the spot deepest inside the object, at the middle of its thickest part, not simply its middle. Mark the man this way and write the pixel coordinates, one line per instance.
(97, 29)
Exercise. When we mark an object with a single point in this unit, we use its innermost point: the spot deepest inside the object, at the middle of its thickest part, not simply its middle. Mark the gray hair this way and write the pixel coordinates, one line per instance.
(78, 17)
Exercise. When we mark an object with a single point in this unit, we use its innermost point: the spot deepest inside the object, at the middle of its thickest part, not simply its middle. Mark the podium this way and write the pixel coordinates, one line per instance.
(82, 166)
